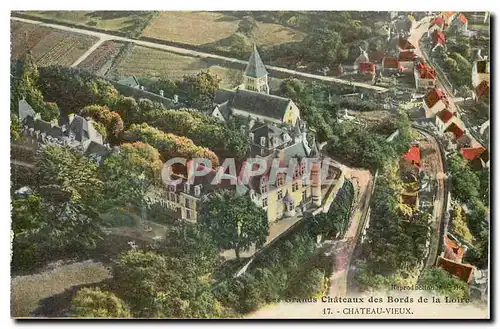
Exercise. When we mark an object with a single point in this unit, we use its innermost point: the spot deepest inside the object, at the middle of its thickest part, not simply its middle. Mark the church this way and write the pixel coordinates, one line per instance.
(252, 99)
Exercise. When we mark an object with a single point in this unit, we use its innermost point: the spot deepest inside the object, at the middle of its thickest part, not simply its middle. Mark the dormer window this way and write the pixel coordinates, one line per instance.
(280, 180)
(263, 185)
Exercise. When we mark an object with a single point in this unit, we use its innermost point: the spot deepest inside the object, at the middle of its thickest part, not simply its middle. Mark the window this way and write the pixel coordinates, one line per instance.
(280, 194)
(264, 202)
(188, 214)
(186, 202)
(302, 168)
(304, 195)
(263, 185)
(295, 186)
(280, 180)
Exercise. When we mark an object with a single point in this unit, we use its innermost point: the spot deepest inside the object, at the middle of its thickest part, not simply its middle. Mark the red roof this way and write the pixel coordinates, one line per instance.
(462, 19)
(413, 155)
(452, 250)
(405, 44)
(407, 56)
(445, 115)
(483, 88)
(456, 130)
(391, 63)
(366, 67)
(472, 153)
(438, 37)
(433, 96)
(439, 21)
(426, 72)
(462, 271)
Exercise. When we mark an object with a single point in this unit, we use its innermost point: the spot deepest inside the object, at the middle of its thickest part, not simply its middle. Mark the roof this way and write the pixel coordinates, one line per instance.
(391, 63)
(413, 155)
(463, 271)
(25, 110)
(48, 128)
(274, 135)
(445, 115)
(483, 88)
(452, 250)
(377, 56)
(406, 56)
(258, 103)
(472, 153)
(84, 130)
(224, 110)
(461, 18)
(295, 151)
(405, 44)
(130, 81)
(366, 67)
(455, 129)
(426, 71)
(438, 37)
(255, 67)
(222, 95)
(362, 58)
(433, 96)
(439, 21)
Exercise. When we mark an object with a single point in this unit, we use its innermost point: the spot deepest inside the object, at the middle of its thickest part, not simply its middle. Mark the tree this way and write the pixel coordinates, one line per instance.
(459, 223)
(234, 222)
(15, 128)
(198, 90)
(444, 283)
(247, 25)
(322, 43)
(94, 303)
(464, 181)
(111, 120)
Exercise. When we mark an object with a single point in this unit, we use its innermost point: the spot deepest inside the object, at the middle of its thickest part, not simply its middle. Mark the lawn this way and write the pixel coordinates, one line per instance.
(132, 22)
(203, 28)
(27, 291)
(48, 46)
(153, 63)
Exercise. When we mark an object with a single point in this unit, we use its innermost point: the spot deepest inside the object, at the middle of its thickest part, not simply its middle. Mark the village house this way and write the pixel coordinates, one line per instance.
(405, 45)
(448, 17)
(367, 71)
(438, 39)
(391, 65)
(451, 259)
(481, 77)
(478, 156)
(482, 92)
(434, 102)
(377, 58)
(406, 60)
(362, 58)
(460, 23)
(252, 98)
(437, 24)
(425, 77)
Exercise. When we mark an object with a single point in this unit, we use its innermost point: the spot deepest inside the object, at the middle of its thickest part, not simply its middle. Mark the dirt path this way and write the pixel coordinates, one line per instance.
(187, 52)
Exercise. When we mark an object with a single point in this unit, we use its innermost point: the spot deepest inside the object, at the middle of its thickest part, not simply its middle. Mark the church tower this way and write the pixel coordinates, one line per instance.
(255, 77)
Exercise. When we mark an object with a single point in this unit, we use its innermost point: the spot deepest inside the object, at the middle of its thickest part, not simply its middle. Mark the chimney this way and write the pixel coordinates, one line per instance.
(176, 99)
(161, 93)
(186, 187)
(263, 141)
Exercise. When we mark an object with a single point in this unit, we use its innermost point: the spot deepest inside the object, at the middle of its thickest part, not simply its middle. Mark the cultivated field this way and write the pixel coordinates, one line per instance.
(48, 46)
(131, 22)
(201, 28)
(101, 59)
(153, 63)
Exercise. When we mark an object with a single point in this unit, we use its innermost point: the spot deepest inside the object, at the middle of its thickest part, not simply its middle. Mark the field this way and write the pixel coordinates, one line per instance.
(48, 46)
(101, 59)
(203, 28)
(130, 22)
(152, 63)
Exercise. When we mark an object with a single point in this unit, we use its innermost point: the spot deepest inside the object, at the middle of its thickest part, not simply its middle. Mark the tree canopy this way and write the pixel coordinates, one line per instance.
(94, 303)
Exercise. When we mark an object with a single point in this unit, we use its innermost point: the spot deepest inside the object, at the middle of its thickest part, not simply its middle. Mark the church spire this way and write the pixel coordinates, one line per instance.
(255, 67)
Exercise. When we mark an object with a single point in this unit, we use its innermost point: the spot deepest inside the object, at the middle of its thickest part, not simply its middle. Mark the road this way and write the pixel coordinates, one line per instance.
(187, 52)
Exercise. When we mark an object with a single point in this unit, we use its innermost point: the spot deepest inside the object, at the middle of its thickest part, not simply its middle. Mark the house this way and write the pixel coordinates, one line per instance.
(480, 70)
(362, 58)
(478, 17)
(377, 57)
(252, 98)
(462, 271)
(460, 23)
(406, 60)
(413, 155)
(425, 77)
(367, 70)
(437, 24)
(454, 127)
(438, 39)
(448, 17)
(444, 119)
(435, 101)
(453, 250)
(482, 92)
(405, 45)
(280, 199)
(131, 81)
(391, 64)
(477, 156)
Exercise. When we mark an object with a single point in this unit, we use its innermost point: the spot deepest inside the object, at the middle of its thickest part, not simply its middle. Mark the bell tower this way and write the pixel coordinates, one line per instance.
(255, 77)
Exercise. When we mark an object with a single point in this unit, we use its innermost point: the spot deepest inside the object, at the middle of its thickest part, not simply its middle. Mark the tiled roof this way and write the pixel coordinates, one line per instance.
(483, 88)
(426, 72)
(448, 14)
(255, 67)
(462, 271)
(406, 56)
(130, 81)
(366, 67)
(391, 63)
(433, 96)
(452, 250)
(258, 103)
(222, 95)
(413, 155)
(472, 153)
(25, 110)
(439, 21)
(405, 44)
(455, 129)
(445, 115)
(438, 37)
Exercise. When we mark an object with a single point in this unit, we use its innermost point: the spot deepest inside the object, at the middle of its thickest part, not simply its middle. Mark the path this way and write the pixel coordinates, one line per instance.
(187, 52)
(88, 52)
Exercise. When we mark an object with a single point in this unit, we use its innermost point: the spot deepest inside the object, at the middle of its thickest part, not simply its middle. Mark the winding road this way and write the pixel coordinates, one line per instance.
(186, 52)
